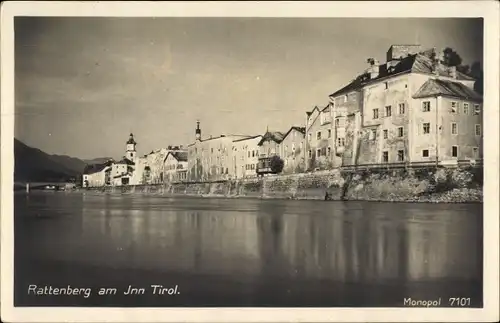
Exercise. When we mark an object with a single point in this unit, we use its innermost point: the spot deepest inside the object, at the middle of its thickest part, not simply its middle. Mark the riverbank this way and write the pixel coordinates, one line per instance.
(458, 185)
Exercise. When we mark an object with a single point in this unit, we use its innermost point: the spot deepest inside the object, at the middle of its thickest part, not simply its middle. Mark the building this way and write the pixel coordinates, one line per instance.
(292, 150)
(269, 146)
(97, 175)
(175, 166)
(412, 108)
(246, 156)
(319, 139)
(211, 159)
(122, 172)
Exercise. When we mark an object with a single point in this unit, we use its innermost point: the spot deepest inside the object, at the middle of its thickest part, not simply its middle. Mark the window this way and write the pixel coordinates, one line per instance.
(386, 85)
(309, 136)
(401, 155)
(318, 152)
(373, 134)
(337, 122)
(318, 135)
(385, 133)
(341, 142)
(425, 153)
(249, 154)
(310, 153)
(477, 129)
(454, 129)
(454, 151)
(400, 131)
(426, 106)
(329, 151)
(253, 153)
(388, 111)
(476, 109)
(385, 156)
(375, 113)
(329, 133)
(401, 108)
(427, 128)
(466, 108)
(475, 152)
(454, 107)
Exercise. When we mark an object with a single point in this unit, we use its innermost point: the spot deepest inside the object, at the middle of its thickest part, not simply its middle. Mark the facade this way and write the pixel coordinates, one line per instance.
(246, 156)
(97, 175)
(175, 166)
(398, 112)
(211, 159)
(292, 150)
(122, 172)
(319, 139)
(269, 146)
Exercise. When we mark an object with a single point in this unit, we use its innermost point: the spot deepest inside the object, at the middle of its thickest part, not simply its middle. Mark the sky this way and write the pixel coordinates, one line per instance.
(82, 84)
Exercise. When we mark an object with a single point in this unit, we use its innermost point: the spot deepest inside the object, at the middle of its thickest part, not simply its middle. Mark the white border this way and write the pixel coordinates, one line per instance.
(489, 10)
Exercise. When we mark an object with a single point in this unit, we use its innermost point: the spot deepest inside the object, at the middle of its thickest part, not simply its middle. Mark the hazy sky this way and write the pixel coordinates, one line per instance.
(83, 84)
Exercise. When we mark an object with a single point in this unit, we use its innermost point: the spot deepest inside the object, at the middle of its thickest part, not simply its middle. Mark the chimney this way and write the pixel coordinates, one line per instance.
(373, 70)
(453, 72)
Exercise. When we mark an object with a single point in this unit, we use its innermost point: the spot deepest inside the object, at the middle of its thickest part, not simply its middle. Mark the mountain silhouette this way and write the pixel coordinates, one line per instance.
(33, 165)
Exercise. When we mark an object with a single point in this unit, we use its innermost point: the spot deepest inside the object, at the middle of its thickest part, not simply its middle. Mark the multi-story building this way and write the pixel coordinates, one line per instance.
(269, 146)
(97, 175)
(319, 139)
(413, 108)
(212, 158)
(175, 166)
(292, 150)
(246, 156)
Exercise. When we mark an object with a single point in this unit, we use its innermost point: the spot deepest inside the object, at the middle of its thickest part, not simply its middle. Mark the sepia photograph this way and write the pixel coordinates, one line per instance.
(249, 161)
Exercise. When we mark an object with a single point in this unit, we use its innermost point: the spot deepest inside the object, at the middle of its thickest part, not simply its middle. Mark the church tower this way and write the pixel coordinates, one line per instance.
(198, 131)
(131, 151)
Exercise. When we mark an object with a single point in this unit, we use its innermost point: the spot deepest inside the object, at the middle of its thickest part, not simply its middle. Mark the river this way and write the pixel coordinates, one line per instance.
(245, 252)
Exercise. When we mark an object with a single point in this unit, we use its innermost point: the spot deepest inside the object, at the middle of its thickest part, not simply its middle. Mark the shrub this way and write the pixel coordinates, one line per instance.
(277, 164)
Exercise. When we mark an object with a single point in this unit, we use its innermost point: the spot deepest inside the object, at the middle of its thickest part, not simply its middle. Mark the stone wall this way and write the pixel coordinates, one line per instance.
(422, 185)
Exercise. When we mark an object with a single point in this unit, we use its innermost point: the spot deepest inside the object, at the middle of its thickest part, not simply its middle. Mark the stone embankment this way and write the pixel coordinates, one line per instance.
(419, 185)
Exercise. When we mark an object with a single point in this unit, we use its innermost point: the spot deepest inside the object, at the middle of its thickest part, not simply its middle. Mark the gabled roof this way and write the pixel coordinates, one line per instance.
(180, 156)
(247, 138)
(417, 63)
(302, 130)
(126, 161)
(437, 87)
(96, 168)
(276, 136)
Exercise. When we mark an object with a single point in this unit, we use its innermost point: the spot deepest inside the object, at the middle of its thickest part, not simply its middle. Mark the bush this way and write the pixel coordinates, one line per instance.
(277, 164)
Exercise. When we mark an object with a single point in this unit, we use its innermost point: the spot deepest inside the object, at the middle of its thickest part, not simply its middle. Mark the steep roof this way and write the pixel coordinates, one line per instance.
(417, 63)
(96, 168)
(437, 87)
(276, 136)
(247, 138)
(180, 156)
(302, 130)
(126, 161)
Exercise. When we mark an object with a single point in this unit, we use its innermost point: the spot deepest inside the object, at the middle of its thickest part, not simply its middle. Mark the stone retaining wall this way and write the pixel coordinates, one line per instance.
(422, 185)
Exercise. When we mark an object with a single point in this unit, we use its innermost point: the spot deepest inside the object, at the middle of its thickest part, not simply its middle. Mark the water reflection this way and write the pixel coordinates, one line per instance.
(294, 240)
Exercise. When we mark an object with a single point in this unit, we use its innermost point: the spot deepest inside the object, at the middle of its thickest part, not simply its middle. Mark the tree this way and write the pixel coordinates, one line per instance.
(476, 72)
(452, 58)
(276, 164)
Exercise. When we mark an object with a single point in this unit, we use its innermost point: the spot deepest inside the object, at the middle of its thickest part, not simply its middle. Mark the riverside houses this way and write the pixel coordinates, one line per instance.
(97, 175)
(292, 150)
(269, 146)
(175, 166)
(412, 108)
(319, 138)
(211, 159)
(246, 156)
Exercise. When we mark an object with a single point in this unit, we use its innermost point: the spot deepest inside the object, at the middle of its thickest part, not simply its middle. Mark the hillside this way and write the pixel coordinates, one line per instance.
(31, 164)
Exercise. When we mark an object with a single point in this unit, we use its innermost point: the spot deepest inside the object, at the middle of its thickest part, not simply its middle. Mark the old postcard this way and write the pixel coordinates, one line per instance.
(249, 161)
